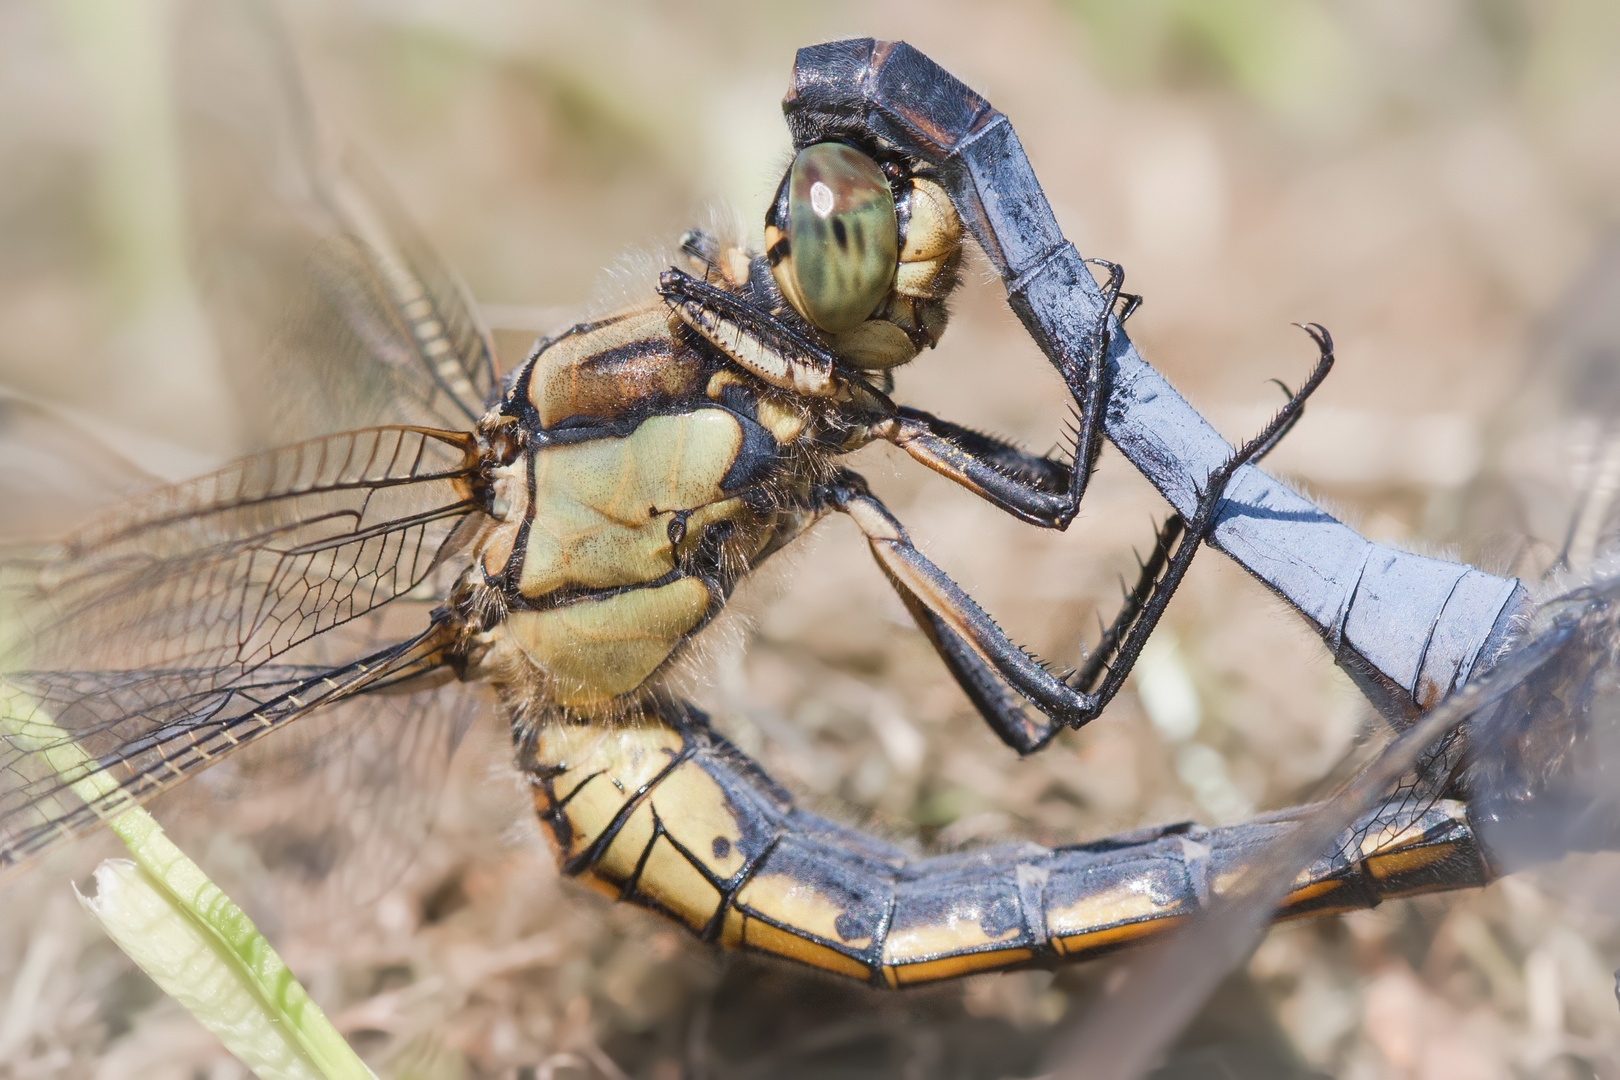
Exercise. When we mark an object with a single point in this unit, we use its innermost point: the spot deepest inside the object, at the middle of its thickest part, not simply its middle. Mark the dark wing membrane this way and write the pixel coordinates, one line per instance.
(315, 280)
(229, 571)
(77, 748)
(1541, 773)
(1528, 689)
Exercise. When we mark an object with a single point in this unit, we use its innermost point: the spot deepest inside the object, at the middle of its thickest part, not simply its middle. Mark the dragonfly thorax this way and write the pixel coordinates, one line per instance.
(649, 476)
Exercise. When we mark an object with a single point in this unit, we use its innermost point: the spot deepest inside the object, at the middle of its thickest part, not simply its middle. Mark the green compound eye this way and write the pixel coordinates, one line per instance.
(836, 257)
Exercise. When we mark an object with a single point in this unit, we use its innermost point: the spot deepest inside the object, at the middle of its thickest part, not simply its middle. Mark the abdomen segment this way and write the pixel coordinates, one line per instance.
(666, 814)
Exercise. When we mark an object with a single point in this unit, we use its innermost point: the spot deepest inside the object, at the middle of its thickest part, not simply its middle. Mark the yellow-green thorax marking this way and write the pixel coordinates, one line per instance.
(621, 512)
(657, 453)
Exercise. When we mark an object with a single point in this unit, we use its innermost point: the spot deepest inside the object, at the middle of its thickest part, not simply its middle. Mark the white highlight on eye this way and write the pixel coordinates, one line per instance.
(821, 199)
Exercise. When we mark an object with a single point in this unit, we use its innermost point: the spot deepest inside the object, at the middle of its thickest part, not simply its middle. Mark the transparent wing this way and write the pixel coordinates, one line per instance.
(144, 643)
(231, 570)
(57, 468)
(318, 285)
(79, 747)
(338, 805)
(1543, 772)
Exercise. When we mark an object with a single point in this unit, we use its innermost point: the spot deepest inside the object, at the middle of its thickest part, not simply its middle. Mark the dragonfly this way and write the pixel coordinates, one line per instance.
(562, 531)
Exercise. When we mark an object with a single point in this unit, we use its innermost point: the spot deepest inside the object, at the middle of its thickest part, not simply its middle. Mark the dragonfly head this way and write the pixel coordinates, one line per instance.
(865, 252)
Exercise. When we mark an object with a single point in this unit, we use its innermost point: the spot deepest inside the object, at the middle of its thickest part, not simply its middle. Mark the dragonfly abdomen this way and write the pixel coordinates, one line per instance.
(663, 813)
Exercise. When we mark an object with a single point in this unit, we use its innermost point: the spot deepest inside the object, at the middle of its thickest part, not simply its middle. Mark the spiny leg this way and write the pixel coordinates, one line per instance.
(988, 665)
(1001, 465)
(1406, 627)
(992, 670)
(1324, 340)
(1130, 610)
(1038, 490)
(1147, 588)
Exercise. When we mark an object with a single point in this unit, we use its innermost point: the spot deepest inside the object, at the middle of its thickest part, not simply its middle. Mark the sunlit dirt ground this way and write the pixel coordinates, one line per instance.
(1432, 182)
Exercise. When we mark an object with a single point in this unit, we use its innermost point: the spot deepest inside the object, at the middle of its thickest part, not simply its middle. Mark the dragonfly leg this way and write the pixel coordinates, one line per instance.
(995, 681)
(1039, 490)
(993, 670)
(1408, 629)
(664, 813)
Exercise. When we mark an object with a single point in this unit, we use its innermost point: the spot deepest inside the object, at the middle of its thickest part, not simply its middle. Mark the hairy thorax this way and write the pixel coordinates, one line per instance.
(646, 460)
(646, 478)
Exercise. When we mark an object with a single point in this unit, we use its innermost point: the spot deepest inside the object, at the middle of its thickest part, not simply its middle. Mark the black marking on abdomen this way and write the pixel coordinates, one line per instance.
(583, 861)
(898, 921)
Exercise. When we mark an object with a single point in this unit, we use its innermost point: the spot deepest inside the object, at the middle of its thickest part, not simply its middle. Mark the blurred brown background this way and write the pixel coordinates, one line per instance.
(1432, 181)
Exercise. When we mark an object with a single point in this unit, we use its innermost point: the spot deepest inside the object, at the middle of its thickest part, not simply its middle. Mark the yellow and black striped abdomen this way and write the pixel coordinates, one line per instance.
(669, 816)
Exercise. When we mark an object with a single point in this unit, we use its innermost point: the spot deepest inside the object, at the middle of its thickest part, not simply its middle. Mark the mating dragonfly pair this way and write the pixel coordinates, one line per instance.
(576, 524)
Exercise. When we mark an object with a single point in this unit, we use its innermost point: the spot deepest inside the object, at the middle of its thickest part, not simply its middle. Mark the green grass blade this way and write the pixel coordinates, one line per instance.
(186, 933)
